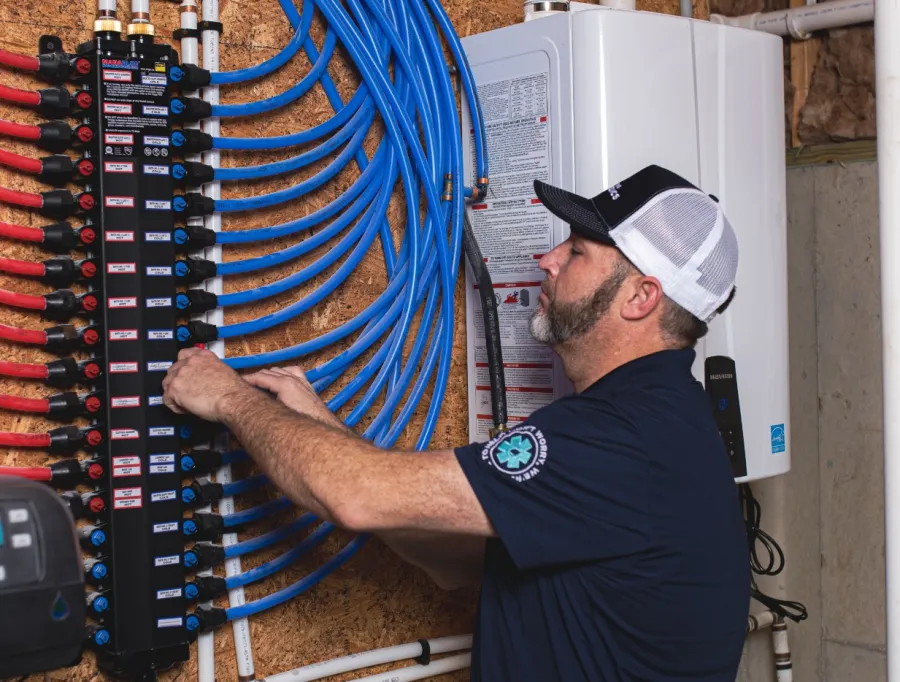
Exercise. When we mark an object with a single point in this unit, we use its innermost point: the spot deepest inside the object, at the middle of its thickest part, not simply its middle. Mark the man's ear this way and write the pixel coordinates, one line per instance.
(644, 295)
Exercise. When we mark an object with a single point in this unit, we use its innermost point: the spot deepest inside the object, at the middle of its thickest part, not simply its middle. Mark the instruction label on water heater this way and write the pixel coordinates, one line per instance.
(514, 230)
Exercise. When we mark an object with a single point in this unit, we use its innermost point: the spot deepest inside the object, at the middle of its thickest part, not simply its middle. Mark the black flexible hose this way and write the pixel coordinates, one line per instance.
(491, 324)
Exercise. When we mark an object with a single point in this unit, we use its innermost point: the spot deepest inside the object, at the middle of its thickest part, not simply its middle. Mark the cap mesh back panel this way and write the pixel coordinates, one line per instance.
(677, 225)
(720, 265)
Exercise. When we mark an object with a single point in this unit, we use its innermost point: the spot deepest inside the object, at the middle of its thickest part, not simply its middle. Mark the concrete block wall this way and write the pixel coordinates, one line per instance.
(827, 513)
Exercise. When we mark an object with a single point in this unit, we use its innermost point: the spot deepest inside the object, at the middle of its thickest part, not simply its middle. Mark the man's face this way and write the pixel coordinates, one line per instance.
(583, 279)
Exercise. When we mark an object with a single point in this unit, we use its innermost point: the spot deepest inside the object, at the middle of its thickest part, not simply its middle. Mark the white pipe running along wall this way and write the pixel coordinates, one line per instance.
(206, 645)
(243, 645)
(391, 654)
(421, 672)
(887, 120)
(801, 22)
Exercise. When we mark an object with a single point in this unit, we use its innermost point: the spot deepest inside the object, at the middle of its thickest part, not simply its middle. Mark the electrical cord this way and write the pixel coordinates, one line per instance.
(774, 558)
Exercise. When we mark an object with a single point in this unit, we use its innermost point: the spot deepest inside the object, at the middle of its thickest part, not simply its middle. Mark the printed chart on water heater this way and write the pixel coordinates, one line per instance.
(514, 231)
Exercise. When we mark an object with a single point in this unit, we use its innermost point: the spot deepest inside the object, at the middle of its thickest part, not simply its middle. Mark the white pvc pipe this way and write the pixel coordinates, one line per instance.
(887, 120)
(206, 644)
(392, 654)
(801, 22)
(243, 645)
(421, 672)
(140, 11)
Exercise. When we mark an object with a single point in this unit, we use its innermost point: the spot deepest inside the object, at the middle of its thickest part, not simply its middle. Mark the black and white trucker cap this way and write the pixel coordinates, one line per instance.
(667, 227)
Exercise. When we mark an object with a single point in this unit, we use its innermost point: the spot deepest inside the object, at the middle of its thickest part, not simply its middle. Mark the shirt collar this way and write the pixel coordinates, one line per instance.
(665, 364)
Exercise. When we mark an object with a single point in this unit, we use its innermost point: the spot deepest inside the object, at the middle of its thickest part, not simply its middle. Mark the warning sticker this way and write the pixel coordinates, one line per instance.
(120, 236)
(514, 230)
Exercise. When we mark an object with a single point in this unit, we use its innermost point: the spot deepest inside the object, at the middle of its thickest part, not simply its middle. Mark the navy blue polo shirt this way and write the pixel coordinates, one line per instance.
(621, 551)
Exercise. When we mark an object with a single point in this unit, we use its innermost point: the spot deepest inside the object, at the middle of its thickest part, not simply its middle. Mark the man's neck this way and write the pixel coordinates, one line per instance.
(589, 359)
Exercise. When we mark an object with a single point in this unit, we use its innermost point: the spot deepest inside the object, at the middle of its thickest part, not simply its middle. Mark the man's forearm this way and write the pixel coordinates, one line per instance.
(297, 452)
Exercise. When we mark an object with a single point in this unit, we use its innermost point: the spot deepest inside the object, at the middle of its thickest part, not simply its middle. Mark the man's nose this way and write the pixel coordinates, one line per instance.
(549, 263)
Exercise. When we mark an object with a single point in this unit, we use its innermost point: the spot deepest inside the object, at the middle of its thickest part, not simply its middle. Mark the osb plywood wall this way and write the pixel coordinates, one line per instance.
(374, 601)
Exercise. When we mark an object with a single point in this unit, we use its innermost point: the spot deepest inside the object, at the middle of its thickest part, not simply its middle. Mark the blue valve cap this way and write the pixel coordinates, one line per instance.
(189, 527)
(191, 592)
(101, 637)
(192, 623)
(98, 571)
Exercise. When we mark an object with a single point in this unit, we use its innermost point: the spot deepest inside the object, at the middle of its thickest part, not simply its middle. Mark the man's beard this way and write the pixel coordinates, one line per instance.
(560, 322)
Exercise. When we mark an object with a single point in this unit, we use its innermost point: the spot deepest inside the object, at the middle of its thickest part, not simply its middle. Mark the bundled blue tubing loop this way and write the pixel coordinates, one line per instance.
(422, 151)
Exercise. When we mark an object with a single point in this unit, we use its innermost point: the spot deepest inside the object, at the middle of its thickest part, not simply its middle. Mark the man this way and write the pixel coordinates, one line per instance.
(606, 529)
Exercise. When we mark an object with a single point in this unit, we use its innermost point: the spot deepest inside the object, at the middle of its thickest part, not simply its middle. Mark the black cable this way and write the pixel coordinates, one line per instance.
(491, 323)
(774, 564)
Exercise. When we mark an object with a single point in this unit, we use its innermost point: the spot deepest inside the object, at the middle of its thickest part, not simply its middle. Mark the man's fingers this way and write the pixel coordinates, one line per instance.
(262, 380)
(296, 371)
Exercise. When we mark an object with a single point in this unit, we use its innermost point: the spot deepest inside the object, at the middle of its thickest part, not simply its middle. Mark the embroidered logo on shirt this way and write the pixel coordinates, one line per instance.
(519, 453)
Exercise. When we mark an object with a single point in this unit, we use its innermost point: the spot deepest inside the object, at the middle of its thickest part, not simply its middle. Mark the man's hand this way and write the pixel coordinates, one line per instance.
(291, 387)
(200, 383)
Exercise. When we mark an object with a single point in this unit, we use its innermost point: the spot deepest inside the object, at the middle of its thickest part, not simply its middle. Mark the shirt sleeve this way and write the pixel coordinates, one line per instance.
(569, 485)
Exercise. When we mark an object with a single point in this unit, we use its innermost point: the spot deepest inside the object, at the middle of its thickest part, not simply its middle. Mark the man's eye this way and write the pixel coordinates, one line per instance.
(574, 251)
